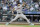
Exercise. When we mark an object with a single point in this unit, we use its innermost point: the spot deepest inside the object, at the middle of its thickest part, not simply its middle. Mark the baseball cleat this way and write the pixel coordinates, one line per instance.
(31, 24)
(7, 23)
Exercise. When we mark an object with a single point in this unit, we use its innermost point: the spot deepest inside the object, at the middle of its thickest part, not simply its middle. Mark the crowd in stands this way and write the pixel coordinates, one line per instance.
(9, 4)
(6, 6)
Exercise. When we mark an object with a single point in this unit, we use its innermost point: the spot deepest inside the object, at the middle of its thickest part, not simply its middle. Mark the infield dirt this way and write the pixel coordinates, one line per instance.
(10, 26)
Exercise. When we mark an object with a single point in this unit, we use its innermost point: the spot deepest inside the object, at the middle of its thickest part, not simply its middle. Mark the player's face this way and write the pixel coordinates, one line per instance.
(18, 4)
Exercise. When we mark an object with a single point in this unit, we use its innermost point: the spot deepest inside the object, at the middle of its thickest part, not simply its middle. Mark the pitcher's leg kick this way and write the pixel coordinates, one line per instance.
(24, 17)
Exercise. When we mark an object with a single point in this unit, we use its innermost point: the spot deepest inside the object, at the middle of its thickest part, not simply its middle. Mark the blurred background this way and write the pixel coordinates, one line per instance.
(31, 8)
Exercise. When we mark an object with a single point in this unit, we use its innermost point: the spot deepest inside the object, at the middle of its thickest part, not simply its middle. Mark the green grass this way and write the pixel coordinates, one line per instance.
(32, 26)
(24, 25)
(29, 25)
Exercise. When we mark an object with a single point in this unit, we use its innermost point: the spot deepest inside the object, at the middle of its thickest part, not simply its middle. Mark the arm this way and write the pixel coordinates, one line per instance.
(13, 10)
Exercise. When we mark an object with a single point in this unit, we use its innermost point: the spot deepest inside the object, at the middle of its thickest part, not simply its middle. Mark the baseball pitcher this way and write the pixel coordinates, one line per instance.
(19, 14)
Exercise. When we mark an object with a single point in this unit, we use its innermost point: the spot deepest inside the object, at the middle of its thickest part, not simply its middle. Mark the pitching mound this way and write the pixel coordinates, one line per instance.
(10, 26)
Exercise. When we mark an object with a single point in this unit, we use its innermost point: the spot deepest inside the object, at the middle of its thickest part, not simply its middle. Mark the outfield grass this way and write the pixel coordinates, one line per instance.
(21, 25)
(32, 26)
(29, 25)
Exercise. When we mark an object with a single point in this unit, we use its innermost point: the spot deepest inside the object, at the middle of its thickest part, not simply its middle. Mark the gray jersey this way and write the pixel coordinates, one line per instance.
(18, 9)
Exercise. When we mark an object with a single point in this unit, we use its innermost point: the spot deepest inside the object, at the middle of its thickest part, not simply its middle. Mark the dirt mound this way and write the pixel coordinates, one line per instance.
(10, 26)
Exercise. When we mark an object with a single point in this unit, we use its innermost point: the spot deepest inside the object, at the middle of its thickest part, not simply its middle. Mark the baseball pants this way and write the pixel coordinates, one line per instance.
(18, 16)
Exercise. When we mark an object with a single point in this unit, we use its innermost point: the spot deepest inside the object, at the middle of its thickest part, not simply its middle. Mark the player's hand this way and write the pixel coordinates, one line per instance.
(14, 15)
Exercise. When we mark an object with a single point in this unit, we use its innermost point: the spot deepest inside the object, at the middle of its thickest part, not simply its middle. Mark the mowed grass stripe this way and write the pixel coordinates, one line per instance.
(23, 25)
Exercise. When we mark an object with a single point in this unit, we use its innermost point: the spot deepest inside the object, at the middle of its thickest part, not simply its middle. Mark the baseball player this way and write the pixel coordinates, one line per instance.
(19, 14)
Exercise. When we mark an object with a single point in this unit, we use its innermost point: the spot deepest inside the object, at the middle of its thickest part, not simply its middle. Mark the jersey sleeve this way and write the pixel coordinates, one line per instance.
(15, 7)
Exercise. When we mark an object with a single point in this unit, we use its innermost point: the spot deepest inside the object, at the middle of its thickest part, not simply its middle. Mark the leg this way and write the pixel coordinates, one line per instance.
(23, 16)
(13, 19)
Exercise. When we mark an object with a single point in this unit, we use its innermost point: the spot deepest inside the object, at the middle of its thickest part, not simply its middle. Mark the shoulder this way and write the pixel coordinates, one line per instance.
(15, 7)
